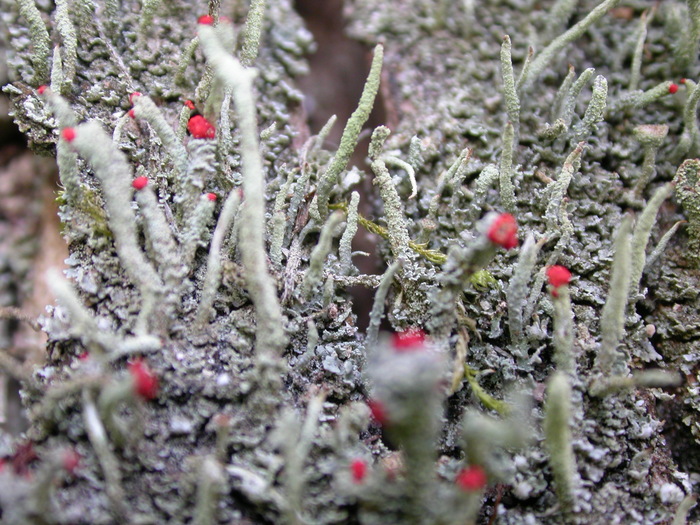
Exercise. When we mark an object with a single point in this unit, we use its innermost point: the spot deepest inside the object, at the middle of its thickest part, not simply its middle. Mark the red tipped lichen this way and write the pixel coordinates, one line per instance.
(201, 128)
(42, 89)
(211, 196)
(504, 231)
(133, 96)
(358, 470)
(682, 80)
(131, 113)
(189, 104)
(140, 183)
(471, 479)
(377, 411)
(205, 20)
(71, 461)
(411, 339)
(558, 275)
(68, 134)
(145, 381)
(673, 88)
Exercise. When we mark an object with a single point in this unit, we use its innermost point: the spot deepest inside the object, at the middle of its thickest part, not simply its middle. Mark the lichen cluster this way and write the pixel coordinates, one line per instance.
(203, 360)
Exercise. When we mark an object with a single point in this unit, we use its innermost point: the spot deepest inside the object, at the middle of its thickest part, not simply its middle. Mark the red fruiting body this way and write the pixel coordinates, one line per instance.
(140, 183)
(205, 20)
(201, 128)
(68, 134)
(132, 113)
(211, 196)
(682, 80)
(558, 275)
(189, 104)
(471, 479)
(42, 89)
(673, 88)
(145, 381)
(504, 231)
(71, 460)
(133, 95)
(84, 356)
(358, 469)
(377, 411)
(411, 339)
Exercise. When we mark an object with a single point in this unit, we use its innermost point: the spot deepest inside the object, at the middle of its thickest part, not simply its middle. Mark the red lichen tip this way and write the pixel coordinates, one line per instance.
(140, 183)
(673, 88)
(42, 89)
(471, 479)
(68, 134)
(71, 461)
(377, 411)
(189, 104)
(205, 20)
(131, 113)
(358, 470)
(201, 128)
(84, 356)
(410, 339)
(504, 231)
(133, 95)
(682, 80)
(145, 381)
(558, 275)
(211, 196)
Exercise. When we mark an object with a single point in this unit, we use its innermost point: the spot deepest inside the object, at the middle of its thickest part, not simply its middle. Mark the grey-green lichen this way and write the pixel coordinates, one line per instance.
(239, 434)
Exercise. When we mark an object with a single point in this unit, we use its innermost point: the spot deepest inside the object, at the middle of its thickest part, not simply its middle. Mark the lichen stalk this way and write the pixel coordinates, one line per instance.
(313, 276)
(517, 287)
(509, 91)
(41, 43)
(505, 169)
(345, 245)
(66, 30)
(269, 333)
(351, 133)
(252, 32)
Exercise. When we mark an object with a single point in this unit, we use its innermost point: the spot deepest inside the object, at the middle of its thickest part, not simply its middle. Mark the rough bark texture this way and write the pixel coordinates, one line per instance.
(239, 434)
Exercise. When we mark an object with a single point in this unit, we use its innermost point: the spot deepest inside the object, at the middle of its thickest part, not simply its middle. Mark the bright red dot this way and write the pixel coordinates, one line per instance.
(84, 356)
(471, 479)
(358, 469)
(411, 339)
(145, 381)
(558, 275)
(133, 95)
(68, 134)
(211, 196)
(42, 89)
(205, 20)
(132, 113)
(201, 128)
(504, 231)
(377, 411)
(682, 80)
(189, 104)
(140, 183)
(673, 88)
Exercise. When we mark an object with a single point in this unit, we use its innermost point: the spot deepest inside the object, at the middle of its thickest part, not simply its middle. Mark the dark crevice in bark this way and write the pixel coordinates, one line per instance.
(338, 70)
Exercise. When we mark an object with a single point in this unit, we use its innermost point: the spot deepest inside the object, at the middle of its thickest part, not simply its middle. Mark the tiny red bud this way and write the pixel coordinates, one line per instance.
(42, 89)
(377, 411)
(84, 356)
(132, 113)
(358, 469)
(411, 339)
(211, 196)
(189, 104)
(133, 95)
(140, 183)
(558, 275)
(504, 231)
(201, 128)
(673, 88)
(205, 20)
(71, 460)
(471, 479)
(68, 134)
(145, 381)
(682, 80)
